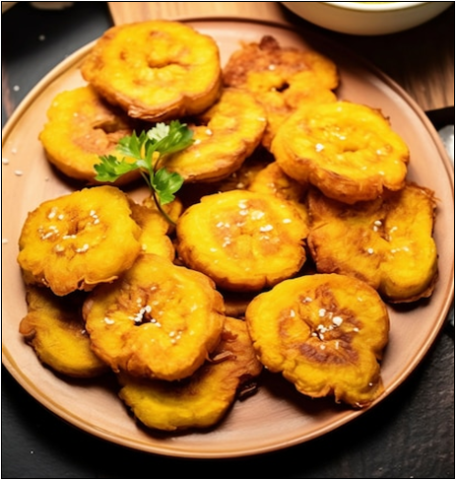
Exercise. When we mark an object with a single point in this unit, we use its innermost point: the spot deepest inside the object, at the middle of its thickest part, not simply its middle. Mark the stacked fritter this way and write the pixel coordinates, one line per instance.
(295, 216)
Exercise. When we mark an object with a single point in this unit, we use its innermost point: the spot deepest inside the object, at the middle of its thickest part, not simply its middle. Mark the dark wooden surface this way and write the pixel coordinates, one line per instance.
(409, 435)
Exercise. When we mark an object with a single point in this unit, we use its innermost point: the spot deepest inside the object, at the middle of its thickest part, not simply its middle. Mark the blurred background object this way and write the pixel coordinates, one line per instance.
(367, 18)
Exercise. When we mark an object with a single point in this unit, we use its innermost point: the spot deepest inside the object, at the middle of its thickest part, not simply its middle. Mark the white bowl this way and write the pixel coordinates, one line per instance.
(367, 18)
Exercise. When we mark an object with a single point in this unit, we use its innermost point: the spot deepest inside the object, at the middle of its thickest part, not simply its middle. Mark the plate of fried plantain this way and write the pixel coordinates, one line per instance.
(269, 412)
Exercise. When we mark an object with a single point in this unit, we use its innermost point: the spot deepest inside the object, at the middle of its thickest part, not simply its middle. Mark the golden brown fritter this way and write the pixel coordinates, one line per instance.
(155, 70)
(80, 128)
(274, 181)
(201, 400)
(347, 150)
(325, 334)
(281, 79)
(225, 136)
(386, 242)
(157, 321)
(242, 240)
(55, 329)
(154, 231)
(79, 240)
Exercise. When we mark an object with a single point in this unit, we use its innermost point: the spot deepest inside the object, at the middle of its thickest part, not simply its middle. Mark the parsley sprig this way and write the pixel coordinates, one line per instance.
(148, 151)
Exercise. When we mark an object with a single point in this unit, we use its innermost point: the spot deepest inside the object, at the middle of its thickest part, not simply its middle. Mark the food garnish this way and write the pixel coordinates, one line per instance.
(147, 151)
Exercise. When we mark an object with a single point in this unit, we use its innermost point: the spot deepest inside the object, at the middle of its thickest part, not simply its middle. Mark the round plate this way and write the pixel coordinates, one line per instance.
(277, 416)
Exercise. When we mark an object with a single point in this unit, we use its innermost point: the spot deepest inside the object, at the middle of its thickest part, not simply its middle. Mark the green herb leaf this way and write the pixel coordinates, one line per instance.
(111, 168)
(145, 153)
(166, 184)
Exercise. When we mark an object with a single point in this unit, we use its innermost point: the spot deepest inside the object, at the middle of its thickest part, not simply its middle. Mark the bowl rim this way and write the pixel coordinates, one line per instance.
(375, 6)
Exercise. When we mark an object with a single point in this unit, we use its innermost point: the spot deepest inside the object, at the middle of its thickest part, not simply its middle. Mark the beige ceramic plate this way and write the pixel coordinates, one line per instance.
(277, 416)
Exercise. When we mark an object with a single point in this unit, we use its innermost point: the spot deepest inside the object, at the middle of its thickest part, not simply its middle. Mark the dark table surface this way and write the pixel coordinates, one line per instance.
(408, 435)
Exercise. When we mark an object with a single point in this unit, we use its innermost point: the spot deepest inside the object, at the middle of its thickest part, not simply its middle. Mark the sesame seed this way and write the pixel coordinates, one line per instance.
(197, 141)
(58, 248)
(307, 300)
(83, 249)
(292, 313)
(337, 321)
(52, 213)
(18, 173)
(5, 161)
(378, 223)
(4, 241)
(14, 151)
(319, 147)
(322, 312)
(16, 88)
(257, 214)
(41, 38)
(356, 329)
(286, 220)
(209, 131)
(109, 321)
(322, 347)
(370, 251)
(266, 228)
(271, 67)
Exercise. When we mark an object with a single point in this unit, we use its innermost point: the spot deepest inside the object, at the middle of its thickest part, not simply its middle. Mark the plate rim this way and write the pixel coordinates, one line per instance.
(173, 450)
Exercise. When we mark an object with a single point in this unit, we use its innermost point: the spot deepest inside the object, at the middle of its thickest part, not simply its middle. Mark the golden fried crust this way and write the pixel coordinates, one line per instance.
(269, 59)
(79, 240)
(155, 70)
(158, 321)
(54, 328)
(154, 229)
(242, 240)
(201, 400)
(347, 150)
(225, 136)
(80, 128)
(325, 334)
(386, 242)
(281, 79)
(274, 181)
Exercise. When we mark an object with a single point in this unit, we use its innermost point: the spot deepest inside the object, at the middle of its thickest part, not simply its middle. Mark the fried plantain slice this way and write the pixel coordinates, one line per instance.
(325, 334)
(80, 128)
(386, 242)
(281, 79)
(79, 240)
(203, 399)
(158, 321)
(154, 230)
(347, 150)
(155, 70)
(225, 136)
(274, 181)
(242, 240)
(55, 329)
